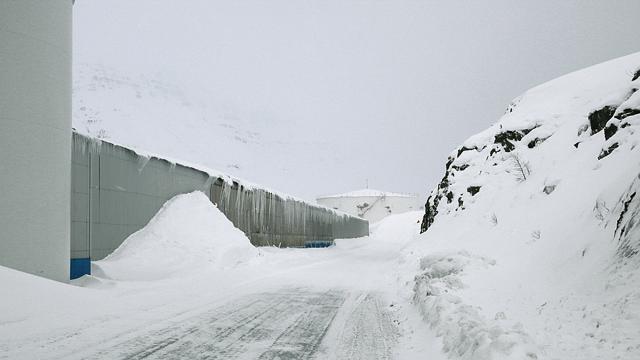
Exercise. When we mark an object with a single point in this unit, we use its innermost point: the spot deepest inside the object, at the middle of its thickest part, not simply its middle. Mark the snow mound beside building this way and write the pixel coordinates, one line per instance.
(530, 245)
(188, 234)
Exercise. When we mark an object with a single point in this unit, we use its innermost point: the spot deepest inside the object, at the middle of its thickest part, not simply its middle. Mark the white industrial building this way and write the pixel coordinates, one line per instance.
(35, 136)
(372, 205)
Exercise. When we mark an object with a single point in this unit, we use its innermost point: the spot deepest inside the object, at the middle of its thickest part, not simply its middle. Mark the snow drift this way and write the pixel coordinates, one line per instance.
(531, 239)
(188, 234)
(396, 229)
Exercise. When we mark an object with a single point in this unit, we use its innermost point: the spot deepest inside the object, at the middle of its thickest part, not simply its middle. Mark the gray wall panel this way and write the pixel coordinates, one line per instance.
(35, 140)
(116, 192)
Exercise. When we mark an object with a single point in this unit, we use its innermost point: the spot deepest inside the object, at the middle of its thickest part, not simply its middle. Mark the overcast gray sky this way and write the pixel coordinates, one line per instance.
(398, 84)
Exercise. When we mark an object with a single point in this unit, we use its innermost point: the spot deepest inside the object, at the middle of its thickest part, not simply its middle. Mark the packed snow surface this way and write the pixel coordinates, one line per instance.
(531, 243)
(189, 285)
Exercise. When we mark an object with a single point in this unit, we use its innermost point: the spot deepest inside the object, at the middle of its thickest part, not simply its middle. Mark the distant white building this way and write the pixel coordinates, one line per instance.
(370, 204)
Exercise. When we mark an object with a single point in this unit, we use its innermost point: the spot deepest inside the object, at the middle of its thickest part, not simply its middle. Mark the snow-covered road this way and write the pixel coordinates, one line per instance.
(291, 323)
(343, 302)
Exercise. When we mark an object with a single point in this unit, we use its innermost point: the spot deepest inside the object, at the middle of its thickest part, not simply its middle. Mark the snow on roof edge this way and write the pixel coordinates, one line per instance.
(367, 193)
(210, 171)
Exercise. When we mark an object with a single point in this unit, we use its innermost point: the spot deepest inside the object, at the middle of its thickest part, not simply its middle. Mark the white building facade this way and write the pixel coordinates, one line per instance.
(35, 136)
(372, 205)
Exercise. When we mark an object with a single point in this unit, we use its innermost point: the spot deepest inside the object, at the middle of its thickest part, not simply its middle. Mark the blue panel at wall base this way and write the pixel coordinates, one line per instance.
(318, 244)
(80, 267)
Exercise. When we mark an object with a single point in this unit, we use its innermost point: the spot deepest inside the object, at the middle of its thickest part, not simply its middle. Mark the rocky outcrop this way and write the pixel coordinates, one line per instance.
(599, 118)
(502, 152)
(627, 233)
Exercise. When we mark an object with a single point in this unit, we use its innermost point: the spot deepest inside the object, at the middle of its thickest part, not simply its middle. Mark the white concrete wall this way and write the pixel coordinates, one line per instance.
(35, 136)
(378, 209)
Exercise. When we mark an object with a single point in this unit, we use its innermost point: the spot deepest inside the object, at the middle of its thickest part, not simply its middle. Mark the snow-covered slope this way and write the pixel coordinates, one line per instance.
(154, 114)
(532, 237)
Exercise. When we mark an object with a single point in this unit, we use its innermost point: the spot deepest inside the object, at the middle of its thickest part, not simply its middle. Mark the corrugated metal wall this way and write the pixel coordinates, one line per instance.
(115, 192)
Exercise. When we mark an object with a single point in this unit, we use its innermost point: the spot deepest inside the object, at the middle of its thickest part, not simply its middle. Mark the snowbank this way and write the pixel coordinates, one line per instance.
(391, 233)
(531, 249)
(398, 229)
(464, 330)
(29, 297)
(188, 234)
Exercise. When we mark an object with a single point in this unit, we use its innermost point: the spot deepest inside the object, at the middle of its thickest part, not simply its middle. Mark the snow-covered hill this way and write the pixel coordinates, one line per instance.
(156, 115)
(531, 239)
(160, 115)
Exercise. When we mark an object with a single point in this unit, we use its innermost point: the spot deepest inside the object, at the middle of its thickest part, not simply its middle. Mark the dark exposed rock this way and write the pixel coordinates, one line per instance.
(624, 210)
(473, 190)
(444, 183)
(450, 197)
(627, 247)
(576, 144)
(460, 202)
(598, 119)
(460, 167)
(431, 210)
(535, 142)
(548, 189)
(431, 207)
(636, 75)
(610, 130)
(464, 148)
(627, 112)
(507, 139)
(450, 161)
(605, 153)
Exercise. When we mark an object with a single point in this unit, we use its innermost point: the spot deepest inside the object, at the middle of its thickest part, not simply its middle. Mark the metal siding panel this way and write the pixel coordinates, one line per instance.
(127, 191)
(79, 239)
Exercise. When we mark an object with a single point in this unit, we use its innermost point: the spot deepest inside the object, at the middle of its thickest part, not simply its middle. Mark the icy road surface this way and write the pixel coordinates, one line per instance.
(343, 302)
(287, 324)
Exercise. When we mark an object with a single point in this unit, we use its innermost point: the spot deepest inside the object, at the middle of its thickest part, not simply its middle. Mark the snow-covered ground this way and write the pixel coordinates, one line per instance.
(189, 285)
(531, 248)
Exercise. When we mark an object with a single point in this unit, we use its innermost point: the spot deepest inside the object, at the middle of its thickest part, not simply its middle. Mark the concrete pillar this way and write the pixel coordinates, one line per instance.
(35, 136)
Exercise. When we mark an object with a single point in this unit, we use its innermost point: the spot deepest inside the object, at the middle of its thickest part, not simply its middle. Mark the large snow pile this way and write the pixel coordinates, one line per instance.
(531, 239)
(188, 234)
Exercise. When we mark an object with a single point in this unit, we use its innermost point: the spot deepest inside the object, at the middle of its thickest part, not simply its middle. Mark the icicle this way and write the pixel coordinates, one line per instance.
(142, 162)
(278, 219)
